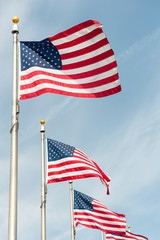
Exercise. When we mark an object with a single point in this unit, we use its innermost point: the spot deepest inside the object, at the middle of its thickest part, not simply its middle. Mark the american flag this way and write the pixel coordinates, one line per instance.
(78, 62)
(127, 236)
(89, 212)
(68, 163)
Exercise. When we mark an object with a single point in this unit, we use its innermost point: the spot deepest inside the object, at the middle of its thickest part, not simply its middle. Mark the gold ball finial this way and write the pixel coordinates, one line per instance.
(15, 19)
(129, 226)
(42, 121)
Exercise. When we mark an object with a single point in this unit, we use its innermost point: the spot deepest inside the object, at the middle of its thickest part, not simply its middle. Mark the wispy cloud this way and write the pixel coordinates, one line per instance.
(145, 42)
(50, 115)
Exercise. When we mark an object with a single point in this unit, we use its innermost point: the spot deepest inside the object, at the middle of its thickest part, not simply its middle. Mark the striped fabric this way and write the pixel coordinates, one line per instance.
(89, 212)
(127, 236)
(68, 163)
(78, 62)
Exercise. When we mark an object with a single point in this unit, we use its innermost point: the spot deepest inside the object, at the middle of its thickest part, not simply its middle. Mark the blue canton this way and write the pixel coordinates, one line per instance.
(58, 150)
(82, 201)
(43, 54)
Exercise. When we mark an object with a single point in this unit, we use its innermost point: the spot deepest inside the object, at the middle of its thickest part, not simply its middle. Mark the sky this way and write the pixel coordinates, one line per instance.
(121, 133)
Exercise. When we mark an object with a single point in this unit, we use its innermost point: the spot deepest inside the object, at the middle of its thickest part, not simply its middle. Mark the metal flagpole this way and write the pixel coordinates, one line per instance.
(43, 184)
(12, 221)
(129, 229)
(102, 235)
(71, 210)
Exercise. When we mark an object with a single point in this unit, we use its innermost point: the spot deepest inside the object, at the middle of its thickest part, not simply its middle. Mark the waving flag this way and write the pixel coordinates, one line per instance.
(78, 62)
(127, 236)
(89, 212)
(68, 163)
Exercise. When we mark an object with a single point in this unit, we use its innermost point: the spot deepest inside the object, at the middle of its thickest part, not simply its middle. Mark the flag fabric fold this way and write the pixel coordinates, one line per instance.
(78, 62)
(127, 236)
(89, 212)
(66, 162)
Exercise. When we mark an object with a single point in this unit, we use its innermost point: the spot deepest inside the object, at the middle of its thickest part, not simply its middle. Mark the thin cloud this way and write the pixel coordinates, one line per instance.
(52, 114)
(142, 43)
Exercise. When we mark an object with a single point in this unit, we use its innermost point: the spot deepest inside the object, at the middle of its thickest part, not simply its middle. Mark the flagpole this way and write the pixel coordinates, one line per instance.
(43, 184)
(12, 221)
(102, 235)
(71, 210)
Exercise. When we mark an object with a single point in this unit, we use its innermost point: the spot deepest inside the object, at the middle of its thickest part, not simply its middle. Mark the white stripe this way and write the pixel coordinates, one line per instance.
(88, 56)
(101, 208)
(72, 81)
(77, 151)
(100, 226)
(100, 76)
(82, 45)
(68, 174)
(76, 35)
(70, 166)
(122, 221)
(79, 156)
(72, 90)
(100, 220)
(97, 214)
(134, 236)
(110, 236)
(105, 215)
(98, 205)
(69, 159)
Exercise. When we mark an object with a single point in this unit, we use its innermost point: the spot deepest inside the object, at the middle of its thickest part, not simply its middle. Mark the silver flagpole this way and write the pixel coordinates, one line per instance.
(12, 222)
(43, 184)
(71, 210)
(129, 229)
(102, 235)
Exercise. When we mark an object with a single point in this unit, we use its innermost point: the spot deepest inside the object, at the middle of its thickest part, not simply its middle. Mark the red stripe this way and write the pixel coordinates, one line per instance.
(102, 173)
(123, 228)
(89, 61)
(85, 50)
(83, 157)
(112, 237)
(90, 73)
(97, 29)
(134, 235)
(83, 95)
(101, 218)
(69, 178)
(95, 227)
(79, 40)
(109, 212)
(74, 29)
(66, 162)
(79, 153)
(72, 86)
(75, 169)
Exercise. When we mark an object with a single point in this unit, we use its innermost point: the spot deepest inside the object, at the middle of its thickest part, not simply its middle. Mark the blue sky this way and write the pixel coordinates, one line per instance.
(120, 132)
